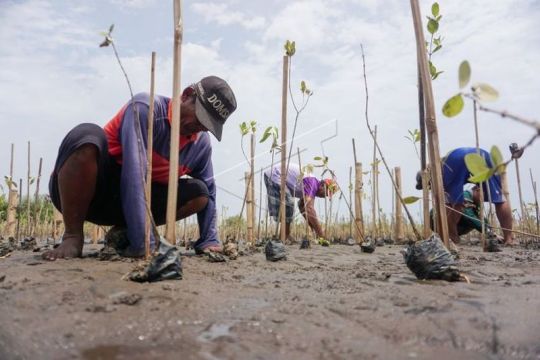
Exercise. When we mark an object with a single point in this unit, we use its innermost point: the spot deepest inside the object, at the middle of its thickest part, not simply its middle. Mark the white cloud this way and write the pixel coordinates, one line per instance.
(223, 15)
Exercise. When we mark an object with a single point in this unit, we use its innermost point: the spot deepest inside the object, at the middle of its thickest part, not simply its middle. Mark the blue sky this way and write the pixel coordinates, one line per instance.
(54, 76)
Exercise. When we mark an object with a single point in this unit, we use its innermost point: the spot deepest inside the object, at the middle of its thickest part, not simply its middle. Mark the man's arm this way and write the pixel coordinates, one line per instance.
(133, 172)
(308, 210)
(203, 170)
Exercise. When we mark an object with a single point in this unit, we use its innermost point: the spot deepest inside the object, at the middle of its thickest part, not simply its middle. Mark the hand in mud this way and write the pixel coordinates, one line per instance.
(71, 247)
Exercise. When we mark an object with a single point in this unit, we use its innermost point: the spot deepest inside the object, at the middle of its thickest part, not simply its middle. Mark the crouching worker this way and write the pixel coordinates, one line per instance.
(305, 189)
(455, 176)
(470, 217)
(99, 172)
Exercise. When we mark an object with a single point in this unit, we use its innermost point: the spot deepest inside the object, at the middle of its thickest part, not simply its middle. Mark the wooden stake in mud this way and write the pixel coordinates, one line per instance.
(425, 203)
(252, 187)
(149, 151)
(12, 199)
(358, 215)
(533, 183)
(283, 215)
(521, 204)
(398, 230)
(350, 200)
(28, 222)
(249, 208)
(431, 125)
(260, 206)
(36, 196)
(170, 233)
(374, 186)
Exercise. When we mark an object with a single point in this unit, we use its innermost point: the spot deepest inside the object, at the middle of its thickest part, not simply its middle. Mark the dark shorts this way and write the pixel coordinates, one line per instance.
(274, 199)
(455, 175)
(106, 205)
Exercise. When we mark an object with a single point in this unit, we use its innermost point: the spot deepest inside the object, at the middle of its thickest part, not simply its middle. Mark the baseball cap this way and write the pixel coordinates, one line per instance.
(214, 103)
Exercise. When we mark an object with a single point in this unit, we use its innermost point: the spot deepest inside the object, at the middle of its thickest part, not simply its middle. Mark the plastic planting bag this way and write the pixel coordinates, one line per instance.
(368, 246)
(165, 265)
(275, 250)
(429, 259)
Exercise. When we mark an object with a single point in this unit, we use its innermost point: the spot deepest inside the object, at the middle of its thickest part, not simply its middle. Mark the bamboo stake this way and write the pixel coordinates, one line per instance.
(260, 206)
(19, 205)
(533, 183)
(425, 203)
(398, 229)
(374, 186)
(431, 125)
(358, 215)
(149, 159)
(36, 196)
(483, 232)
(12, 198)
(283, 215)
(28, 222)
(522, 208)
(350, 201)
(175, 124)
(249, 209)
(252, 188)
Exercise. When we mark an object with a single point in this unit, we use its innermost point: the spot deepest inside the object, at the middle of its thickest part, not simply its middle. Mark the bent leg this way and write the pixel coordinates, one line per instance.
(504, 215)
(76, 185)
(453, 220)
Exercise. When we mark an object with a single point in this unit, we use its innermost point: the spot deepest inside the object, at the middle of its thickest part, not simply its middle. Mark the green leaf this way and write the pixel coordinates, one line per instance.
(438, 18)
(432, 26)
(485, 92)
(482, 176)
(317, 158)
(244, 128)
(410, 199)
(432, 69)
(437, 75)
(435, 9)
(453, 106)
(437, 48)
(476, 164)
(464, 74)
(497, 159)
(303, 86)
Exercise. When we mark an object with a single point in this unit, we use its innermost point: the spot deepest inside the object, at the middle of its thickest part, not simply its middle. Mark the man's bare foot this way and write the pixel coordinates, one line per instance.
(70, 247)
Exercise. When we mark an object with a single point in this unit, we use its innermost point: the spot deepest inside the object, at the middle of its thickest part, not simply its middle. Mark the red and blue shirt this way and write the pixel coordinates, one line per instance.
(194, 160)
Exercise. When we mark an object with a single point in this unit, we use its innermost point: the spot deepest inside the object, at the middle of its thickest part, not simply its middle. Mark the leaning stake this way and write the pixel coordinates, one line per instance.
(175, 125)
(431, 125)
(283, 147)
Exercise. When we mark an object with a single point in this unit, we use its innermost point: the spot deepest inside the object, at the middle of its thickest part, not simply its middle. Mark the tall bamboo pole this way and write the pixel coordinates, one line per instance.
(12, 199)
(249, 208)
(358, 215)
(425, 202)
(252, 186)
(431, 125)
(374, 186)
(522, 208)
(483, 233)
(170, 232)
(28, 222)
(533, 183)
(149, 152)
(398, 224)
(36, 196)
(282, 213)
(350, 200)
(260, 205)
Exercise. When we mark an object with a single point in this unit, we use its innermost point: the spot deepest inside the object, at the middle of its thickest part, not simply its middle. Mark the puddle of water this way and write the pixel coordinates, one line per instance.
(215, 331)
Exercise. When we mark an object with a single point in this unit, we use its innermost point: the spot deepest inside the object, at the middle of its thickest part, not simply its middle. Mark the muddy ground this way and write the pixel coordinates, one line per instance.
(322, 303)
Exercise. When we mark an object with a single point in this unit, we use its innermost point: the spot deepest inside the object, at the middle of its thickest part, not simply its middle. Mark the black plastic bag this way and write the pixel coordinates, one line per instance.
(165, 265)
(368, 246)
(429, 259)
(306, 244)
(275, 250)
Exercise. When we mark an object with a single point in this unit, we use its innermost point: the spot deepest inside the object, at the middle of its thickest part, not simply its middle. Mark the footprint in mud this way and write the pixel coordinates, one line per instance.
(216, 332)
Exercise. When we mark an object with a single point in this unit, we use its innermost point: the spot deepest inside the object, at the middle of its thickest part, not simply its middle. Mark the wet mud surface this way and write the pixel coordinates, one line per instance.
(321, 303)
